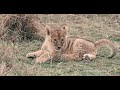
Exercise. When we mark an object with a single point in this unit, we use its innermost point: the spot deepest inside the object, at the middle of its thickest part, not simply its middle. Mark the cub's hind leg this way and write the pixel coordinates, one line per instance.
(89, 56)
(69, 57)
(86, 49)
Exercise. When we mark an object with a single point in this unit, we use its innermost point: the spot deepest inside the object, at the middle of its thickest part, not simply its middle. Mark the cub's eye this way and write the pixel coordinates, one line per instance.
(55, 40)
(62, 40)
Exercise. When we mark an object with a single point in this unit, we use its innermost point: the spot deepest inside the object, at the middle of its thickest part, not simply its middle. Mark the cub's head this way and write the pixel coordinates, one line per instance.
(57, 35)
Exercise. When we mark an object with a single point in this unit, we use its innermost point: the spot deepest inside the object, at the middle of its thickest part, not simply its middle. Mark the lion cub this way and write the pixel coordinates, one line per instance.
(58, 45)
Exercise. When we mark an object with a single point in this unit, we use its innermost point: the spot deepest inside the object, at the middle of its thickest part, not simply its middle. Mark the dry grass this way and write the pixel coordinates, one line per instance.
(90, 26)
(7, 53)
(19, 27)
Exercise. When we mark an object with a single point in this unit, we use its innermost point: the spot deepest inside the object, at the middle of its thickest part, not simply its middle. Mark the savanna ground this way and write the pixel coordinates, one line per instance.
(93, 27)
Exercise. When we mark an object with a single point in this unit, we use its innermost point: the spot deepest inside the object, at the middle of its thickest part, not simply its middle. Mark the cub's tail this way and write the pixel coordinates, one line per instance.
(109, 44)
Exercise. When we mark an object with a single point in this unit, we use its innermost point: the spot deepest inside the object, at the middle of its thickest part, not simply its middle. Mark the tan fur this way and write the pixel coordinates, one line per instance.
(109, 44)
(58, 45)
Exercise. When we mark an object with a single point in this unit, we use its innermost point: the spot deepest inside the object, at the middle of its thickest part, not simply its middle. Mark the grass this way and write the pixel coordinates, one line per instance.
(93, 27)
(21, 66)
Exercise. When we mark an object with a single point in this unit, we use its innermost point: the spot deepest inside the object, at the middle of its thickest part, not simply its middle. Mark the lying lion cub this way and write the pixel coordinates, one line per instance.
(58, 45)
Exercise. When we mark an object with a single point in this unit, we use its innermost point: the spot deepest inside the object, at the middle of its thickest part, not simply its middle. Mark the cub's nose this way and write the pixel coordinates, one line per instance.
(58, 47)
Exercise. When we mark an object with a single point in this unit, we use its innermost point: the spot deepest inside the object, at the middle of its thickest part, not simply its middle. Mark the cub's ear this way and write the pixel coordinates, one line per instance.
(48, 30)
(65, 28)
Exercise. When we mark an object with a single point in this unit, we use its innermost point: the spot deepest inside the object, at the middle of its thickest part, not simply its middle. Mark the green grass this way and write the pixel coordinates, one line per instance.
(101, 66)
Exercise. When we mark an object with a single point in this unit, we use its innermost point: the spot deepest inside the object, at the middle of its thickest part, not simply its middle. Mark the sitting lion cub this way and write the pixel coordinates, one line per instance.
(58, 45)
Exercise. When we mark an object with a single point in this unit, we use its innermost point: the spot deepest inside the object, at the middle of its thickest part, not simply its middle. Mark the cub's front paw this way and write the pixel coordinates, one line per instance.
(30, 55)
(41, 60)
